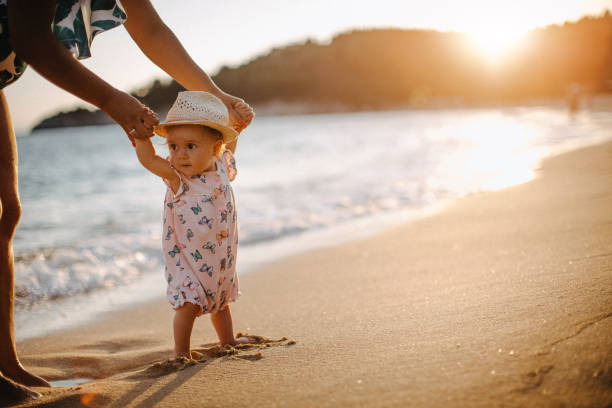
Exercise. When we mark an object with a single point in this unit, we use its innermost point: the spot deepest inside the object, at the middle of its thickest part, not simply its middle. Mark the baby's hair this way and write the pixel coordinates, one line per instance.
(215, 132)
(219, 148)
(219, 145)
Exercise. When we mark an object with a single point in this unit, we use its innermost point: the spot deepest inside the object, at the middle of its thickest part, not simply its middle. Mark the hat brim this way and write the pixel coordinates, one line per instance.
(229, 134)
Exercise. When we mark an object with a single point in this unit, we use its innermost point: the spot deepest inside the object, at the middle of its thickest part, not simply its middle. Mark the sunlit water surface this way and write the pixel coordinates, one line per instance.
(89, 239)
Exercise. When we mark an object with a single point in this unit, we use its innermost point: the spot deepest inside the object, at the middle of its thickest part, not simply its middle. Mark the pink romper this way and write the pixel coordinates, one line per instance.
(200, 239)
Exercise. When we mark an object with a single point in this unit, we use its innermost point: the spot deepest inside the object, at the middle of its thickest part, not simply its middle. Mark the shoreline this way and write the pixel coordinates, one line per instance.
(100, 301)
(150, 287)
(503, 298)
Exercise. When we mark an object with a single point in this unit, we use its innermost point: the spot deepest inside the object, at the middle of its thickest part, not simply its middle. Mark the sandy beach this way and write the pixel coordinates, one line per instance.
(504, 299)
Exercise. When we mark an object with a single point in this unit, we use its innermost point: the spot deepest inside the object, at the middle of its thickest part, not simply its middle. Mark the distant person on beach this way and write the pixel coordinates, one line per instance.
(48, 35)
(200, 229)
(573, 98)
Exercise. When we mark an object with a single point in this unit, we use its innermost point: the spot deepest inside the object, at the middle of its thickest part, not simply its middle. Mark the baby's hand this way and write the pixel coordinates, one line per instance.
(240, 113)
(245, 115)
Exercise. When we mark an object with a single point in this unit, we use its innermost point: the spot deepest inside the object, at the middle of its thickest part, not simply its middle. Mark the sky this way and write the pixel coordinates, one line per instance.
(234, 31)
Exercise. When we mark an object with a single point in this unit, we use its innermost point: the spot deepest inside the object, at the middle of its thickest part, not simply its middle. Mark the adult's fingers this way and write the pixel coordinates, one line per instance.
(136, 119)
(150, 118)
(140, 131)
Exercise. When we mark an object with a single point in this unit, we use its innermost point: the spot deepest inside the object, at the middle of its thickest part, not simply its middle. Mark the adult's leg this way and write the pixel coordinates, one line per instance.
(12, 393)
(10, 211)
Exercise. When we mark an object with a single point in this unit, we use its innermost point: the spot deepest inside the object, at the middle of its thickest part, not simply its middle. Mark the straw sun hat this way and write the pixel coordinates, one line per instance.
(198, 108)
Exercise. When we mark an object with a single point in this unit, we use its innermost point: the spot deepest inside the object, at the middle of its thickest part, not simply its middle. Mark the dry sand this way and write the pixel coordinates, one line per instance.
(502, 300)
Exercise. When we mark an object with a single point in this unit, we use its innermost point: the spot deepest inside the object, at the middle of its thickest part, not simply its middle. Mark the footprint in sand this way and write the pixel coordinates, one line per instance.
(207, 354)
(162, 368)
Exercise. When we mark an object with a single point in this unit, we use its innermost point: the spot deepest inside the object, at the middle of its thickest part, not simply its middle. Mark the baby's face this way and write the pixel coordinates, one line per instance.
(192, 148)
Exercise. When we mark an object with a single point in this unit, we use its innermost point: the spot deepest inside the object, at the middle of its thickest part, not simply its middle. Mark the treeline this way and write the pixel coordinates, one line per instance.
(380, 68)
(386, 67)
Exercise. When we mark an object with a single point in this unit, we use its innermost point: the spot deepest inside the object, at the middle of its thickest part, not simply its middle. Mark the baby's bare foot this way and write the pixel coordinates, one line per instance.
(245, 340)
(12, 392)
(183, 354)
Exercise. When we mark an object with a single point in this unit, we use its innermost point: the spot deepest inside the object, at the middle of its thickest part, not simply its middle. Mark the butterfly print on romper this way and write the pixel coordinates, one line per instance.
(200, 177)
(208, 199)
(220, 190)
(210, 294)
(196, 256)
(223, 215)
(175, 251)
(197, 209)
(206, 221)
(210, 246)
(203, 244)
(207, 269)
(221, 236)
(188, 283)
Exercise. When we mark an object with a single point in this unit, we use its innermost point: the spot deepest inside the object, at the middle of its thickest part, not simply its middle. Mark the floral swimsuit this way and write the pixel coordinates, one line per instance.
(200, 239)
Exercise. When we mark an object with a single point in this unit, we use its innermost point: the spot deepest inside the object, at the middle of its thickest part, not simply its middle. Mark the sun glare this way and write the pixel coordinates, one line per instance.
(495, 43)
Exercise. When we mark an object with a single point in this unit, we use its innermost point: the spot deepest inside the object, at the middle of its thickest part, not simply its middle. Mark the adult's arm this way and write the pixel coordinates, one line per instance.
(162, 47)
(33, 40)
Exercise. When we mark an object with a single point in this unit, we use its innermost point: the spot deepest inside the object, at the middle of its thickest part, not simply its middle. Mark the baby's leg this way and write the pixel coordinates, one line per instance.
(222, 320)
(183, 324)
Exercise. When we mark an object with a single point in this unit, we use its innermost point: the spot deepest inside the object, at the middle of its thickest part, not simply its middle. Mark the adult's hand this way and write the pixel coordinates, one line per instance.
(240, 113)
(136, 119)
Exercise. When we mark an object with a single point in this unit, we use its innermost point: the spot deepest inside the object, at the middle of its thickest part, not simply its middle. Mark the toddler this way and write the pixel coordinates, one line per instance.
(200, 230)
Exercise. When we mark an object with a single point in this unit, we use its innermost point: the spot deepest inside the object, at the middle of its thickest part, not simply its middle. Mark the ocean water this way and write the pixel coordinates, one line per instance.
(89, 238)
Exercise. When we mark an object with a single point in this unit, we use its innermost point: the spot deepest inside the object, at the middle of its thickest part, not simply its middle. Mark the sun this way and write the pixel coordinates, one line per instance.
(495, 42)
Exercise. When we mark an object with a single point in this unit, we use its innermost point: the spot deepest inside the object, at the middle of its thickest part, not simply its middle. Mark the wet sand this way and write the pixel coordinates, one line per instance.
(504, 299)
